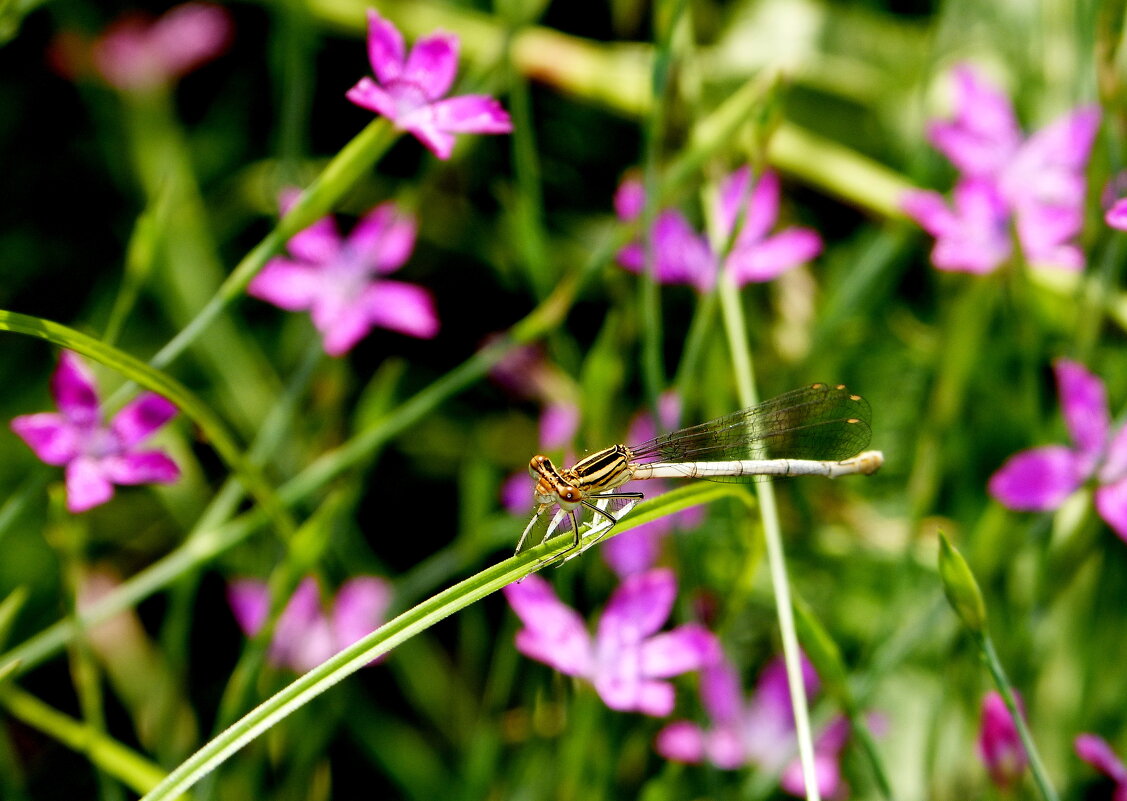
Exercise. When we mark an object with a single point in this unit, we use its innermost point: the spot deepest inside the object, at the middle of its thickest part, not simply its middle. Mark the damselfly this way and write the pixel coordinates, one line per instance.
(819, 430)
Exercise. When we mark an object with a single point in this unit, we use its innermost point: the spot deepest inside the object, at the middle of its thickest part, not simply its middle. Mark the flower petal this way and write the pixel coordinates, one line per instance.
(249, 600)
(1111, 503)
(998, 742)
(680, 255)
(1097, 753)
(87, 486)
(554, 633)
(762, 210)
(142, 417)
(685, 648)
(558, 424)
(51, 437)
(1116, 216)
(974, 236)
(368, 94)
(290, 286)
(145, 467)
(720, 692)
(190, 35)
(1049, 166)
(681, 742)
(630, 197)
(1083, 402)
(735, 197)
(1045, 232)
(768, 259)
(638, 608)
(385, 236)
(432, 64)
(401, 307)
(984, 134)
(342, 322)
(1038, 480)
(471, 114)
(72, 387)
(385, 48)
(636, 550)
(359, 609)
(317, 244)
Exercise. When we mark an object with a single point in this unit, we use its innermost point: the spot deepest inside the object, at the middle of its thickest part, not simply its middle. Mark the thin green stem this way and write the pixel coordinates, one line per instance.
(736, 330)
(1036, 766)
(115, 759)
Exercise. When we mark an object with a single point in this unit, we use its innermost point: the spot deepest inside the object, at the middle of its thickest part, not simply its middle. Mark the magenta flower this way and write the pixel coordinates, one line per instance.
(999, 744)
(96, 456)
(340, 281)
(1039, 479)
(1097, 753)
(681, 256)
(760, 732)
(407, 89)
(306, 633)
(136, 53)
(1116, 216)
(1035, 185)
(627, 659)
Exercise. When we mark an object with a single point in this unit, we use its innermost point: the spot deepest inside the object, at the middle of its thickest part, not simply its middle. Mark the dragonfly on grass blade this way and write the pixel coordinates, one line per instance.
(819, 430)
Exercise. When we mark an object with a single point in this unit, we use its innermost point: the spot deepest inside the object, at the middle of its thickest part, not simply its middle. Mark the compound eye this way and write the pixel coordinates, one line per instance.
(571, 495)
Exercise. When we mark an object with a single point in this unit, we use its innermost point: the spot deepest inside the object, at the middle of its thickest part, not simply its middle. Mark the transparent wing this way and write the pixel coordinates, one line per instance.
(823, 422)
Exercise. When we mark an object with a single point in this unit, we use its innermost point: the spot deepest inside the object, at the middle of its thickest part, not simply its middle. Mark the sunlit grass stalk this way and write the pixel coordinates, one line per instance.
(735, 332)
(67, 534)
(108, 754)
(410, 623)
(735, 329)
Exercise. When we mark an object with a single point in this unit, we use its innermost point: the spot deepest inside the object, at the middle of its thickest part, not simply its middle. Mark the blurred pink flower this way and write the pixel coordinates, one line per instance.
(340, 280)
(1039, 479)
(96, 456)
(1097, 753)
(408, 88)
(1035, 184)
(760, 732)
(999, 744)
(627, 658)
(558, 423)
(681, 256)
(137, 53)
(1116, 216)
(306, 634)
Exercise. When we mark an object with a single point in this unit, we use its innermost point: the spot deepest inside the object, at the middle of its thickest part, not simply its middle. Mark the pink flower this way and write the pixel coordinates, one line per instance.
(1039, 479)
(558, 423)
(136, 53)
(96, 456)
(627, 659)
(1116, 216)
(760, 732)
(306, 633)
(1097, 753)
(407, 90)
(999, 743)
(1036, 185)
(340, 281)
(681, 256)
